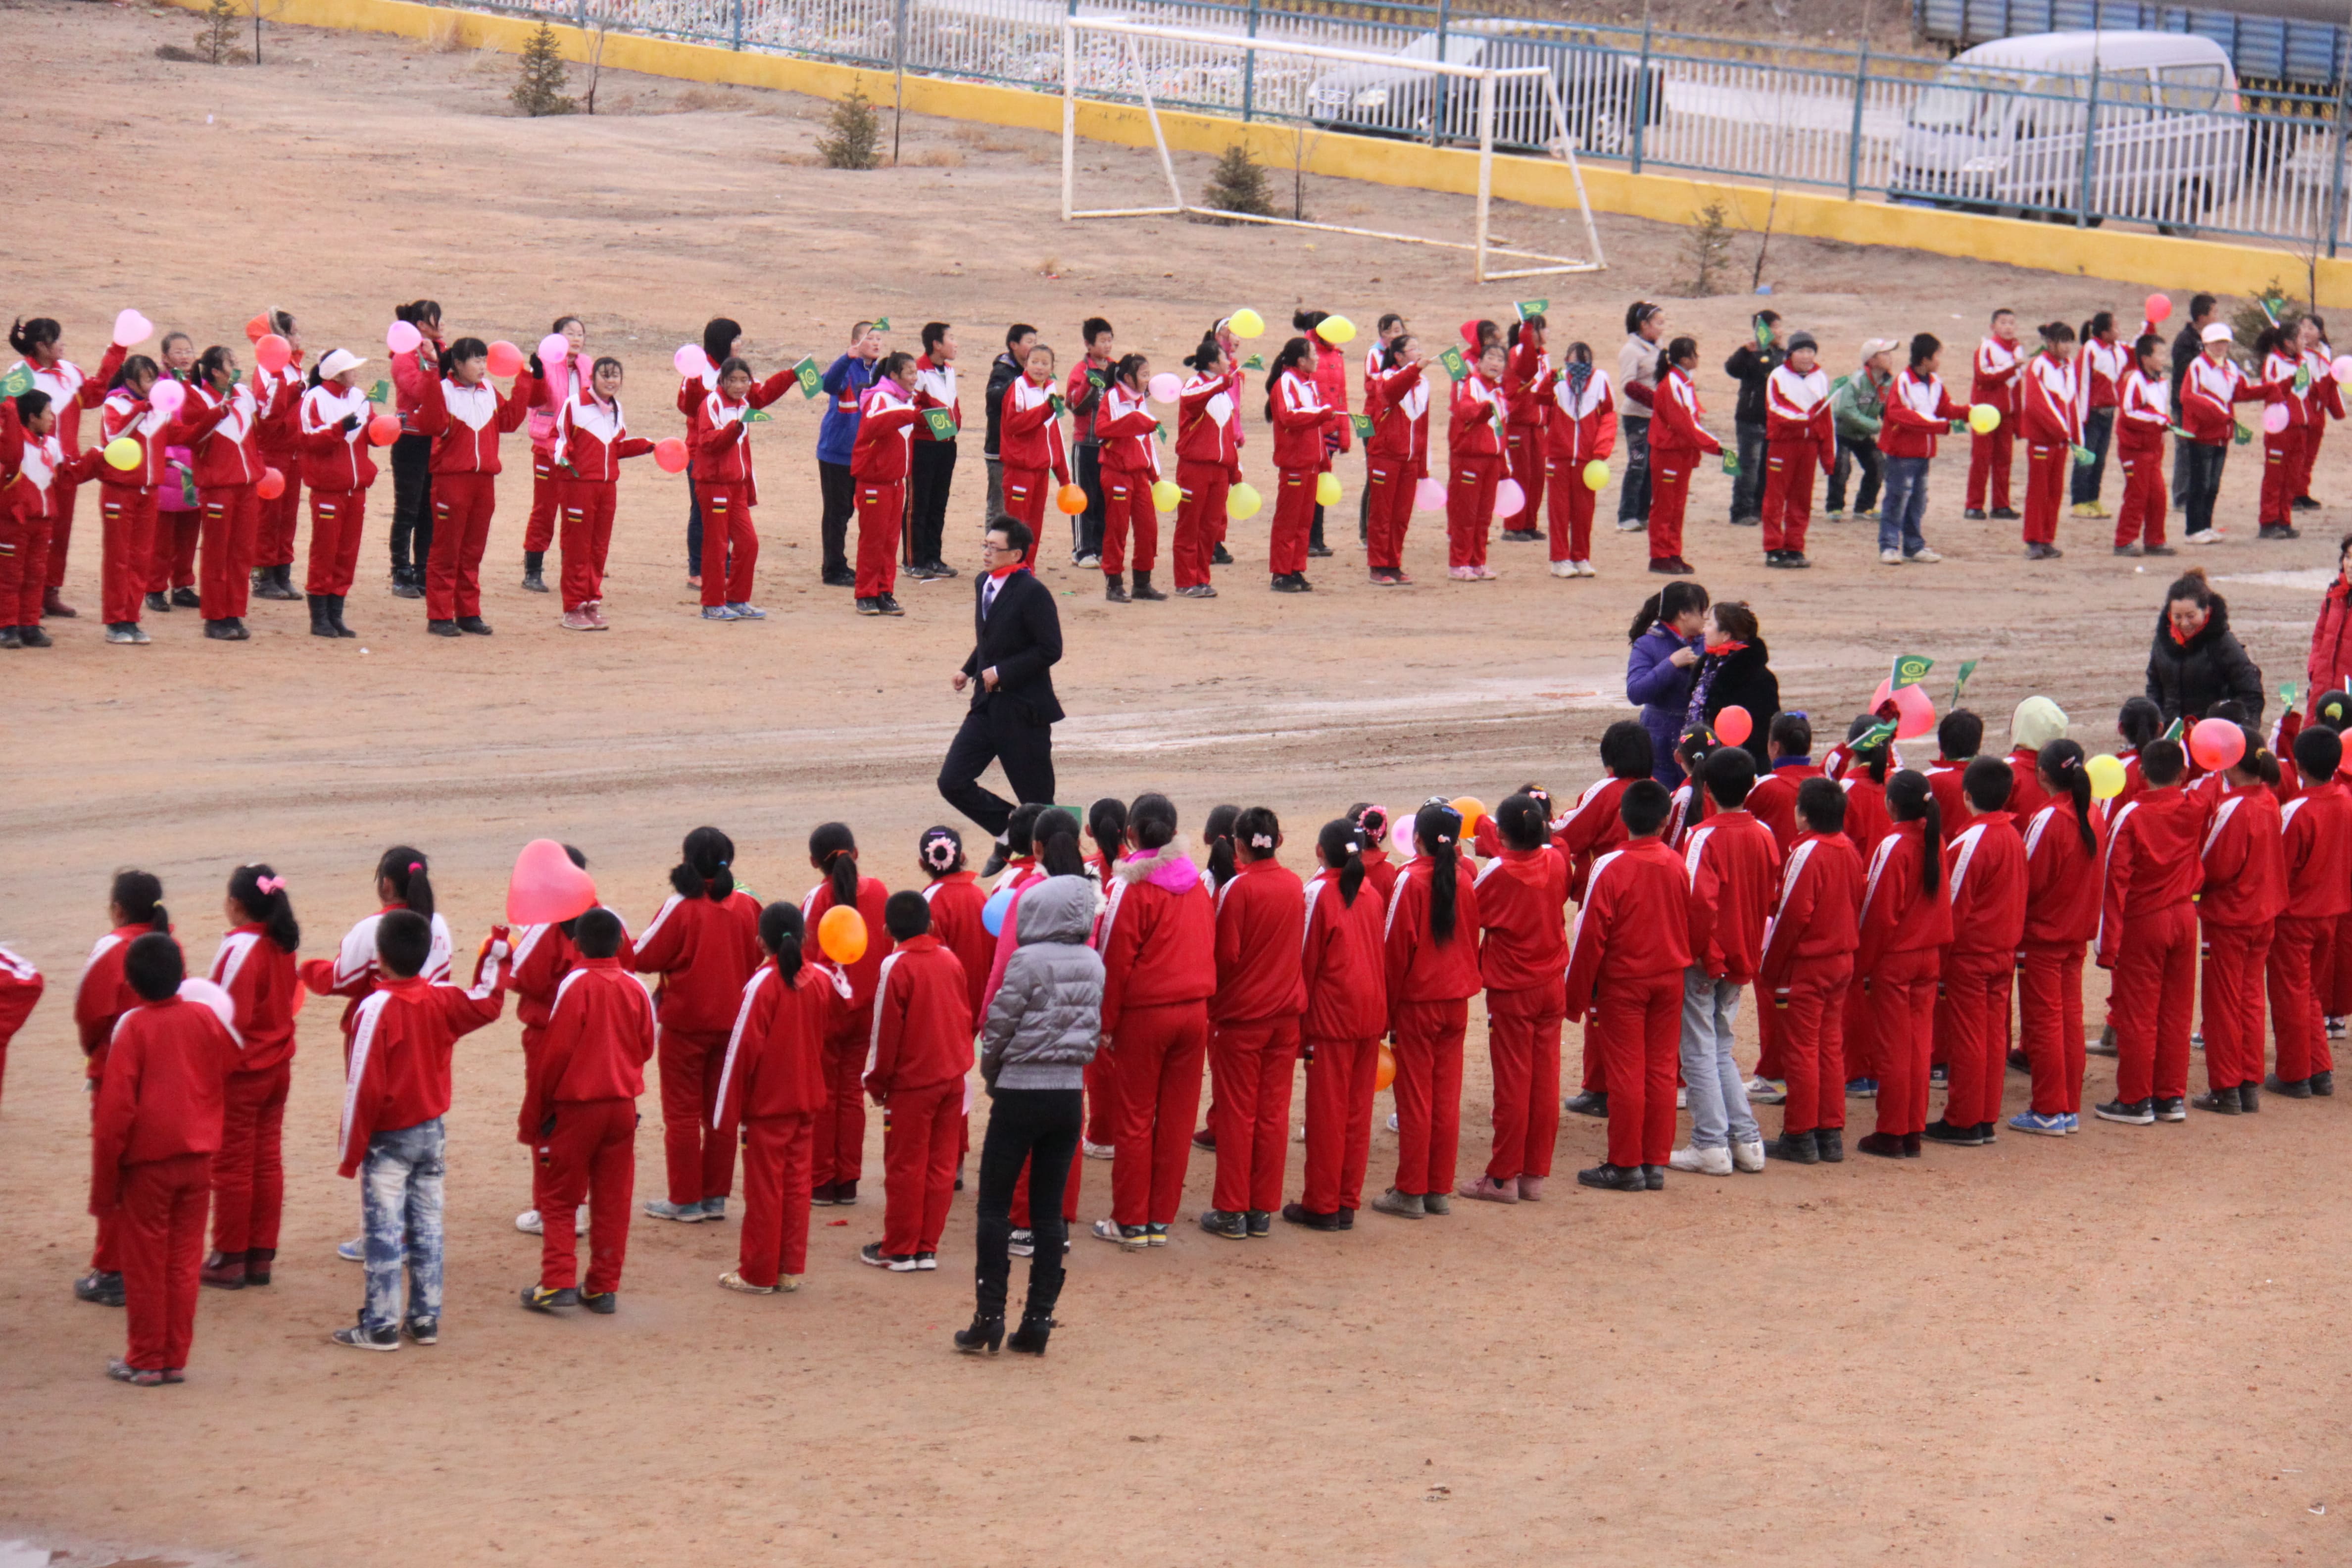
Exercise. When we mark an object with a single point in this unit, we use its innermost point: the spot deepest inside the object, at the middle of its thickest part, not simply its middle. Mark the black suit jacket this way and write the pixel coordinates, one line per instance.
(1021, 637)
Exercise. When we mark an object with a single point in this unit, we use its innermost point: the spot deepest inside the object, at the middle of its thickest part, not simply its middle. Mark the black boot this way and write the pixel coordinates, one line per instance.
(1114, 589)
(321, 623)
(257, 1264)
(1797, 1148)
(1029, 1338)
(984, 1335)
(532, 560)
(1037, 1312)
(1831, 1143)
(335, 616)
(1143, 588)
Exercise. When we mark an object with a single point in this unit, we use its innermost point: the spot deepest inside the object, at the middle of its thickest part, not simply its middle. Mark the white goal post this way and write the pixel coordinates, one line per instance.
(1482, 247)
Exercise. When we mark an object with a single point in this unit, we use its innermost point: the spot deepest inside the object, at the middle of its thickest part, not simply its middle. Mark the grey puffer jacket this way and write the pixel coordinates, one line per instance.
(1046, 1020)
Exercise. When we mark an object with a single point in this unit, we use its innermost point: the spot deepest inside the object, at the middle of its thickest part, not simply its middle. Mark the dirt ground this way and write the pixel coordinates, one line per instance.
(2120, 1347)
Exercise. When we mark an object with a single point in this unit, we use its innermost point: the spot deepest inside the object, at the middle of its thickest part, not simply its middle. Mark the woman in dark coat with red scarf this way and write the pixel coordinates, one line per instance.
(2195, 660)
(1735, 671)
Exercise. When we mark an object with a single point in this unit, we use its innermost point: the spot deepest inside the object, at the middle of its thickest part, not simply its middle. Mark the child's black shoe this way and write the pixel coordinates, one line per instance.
(540, 1299)
(603, 1303)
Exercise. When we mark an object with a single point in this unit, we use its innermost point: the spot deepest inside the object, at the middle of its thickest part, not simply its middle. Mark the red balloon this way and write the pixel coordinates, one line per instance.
(2217, 743)
(382, 430)
(1914, 714)
(1071, 499)
(670, 455)
(272, 352)
(547, 887)
(2159, 307)
(507, 359)
(1734, 725)
(257, 328)
(271, 486)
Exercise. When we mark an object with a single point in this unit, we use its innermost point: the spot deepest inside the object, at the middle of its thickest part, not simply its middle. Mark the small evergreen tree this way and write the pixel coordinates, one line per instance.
(856, 139)
(1708, 249)
(2249, 320)
(217, 38)
(540, 89)
(1237, 184)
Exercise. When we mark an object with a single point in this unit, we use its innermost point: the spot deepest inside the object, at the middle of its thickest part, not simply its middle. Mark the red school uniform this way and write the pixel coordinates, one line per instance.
(101, 998)
(1253, 1042)
(1478, 416)
(704, 950)
(353, 973)
(879, 464)
(580, 1116)
(1625, 982)
(1131, 466)
(127, 502)
(1396, 458)
(1945, 782)
(1985, 883)
(2147, 938)
(719, 435)
(69, 392)
(1343, 970)
(1807, 969)
(225, 442)
(464, 423)
(2244, 893)
(1773, 801)
(20, 992)
(1799, 438)
(919, 1055)
(279, 399)
(956, 902)
(1581, 429)
(1430, 982)
(2316, 845)
(589, 438)
(1905, 928)
(1526, 375)
(2053, 428)
(2142, 418)
(1676, 442)
(1301, 418)
(1158, 941)
(773, 1087)
(338, 470)
(248, 1174)
(403, 1037)
(841, 1132)
(1523, 960)
(1993, 375)
(2061, 915)
(1208, 465)
(1030, 446)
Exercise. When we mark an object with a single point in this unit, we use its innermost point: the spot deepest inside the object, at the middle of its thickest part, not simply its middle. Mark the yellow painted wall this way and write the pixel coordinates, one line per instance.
(2151, 259)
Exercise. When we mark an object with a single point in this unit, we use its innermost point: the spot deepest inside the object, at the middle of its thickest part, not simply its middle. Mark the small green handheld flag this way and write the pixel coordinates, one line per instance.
(1910, 670)
(1962, 683)
(1526, 308)
(2177, 727)
(1877, 735)
(1254, 361)
(1363, 424)
(1455, 364)
(1159, 428)
(812, 380)
(881, 323)
(20, 381)
(942, 424)
(380, 393)
(2286, 696)
(1054, 401)
(758, 416)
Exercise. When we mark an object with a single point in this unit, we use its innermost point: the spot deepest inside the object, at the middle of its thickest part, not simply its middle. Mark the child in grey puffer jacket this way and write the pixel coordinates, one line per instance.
(1047, 1020)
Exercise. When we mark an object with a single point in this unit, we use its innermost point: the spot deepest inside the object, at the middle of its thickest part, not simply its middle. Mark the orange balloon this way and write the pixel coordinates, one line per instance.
(1385, 1074)
(841, 934)
(1070, 498)
(1734, 725)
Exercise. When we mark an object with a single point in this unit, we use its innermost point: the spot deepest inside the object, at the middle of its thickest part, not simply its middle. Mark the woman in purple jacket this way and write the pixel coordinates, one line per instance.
(1661, 667)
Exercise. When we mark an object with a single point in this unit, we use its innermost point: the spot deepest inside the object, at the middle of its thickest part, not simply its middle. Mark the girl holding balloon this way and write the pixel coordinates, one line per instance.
(2143, 419)
(2285, 416)
(560, 373)
(1478, 419)
(332, 425)
(1130, 477)
(278, 388)
(1582, 433)
(224, 446)
(589, 438)
(39, 339)
(131, 428)
(841, 1128)
(414, 342)
(464, 416)
(1294, 407)
(1030, 442)
(1208, 461)
(171, 561)
(726, 490)
(1344, 969)
(1396, 454)
(2054, 431)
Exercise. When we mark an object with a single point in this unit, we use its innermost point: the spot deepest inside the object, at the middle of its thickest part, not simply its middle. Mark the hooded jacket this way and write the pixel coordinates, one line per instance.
(1158, 936)
(1740, 677)
(2186, 678)
(1046, 1021)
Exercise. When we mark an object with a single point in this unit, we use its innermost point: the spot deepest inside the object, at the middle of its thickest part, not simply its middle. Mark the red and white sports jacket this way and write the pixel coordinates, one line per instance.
(1125, 425)
(335, 459)
(2102, 369)
(1526, 371)
(592, 437)
(1818, 913)
(403, 1037)
(888, 419)
(259, 977)
(1915, 415)
(1583, 424)
(2208, 393)
(1994, 378)
(278, 400)
(225, 435)
(33, 468)
(2278, 387)
(2142, 411)
(1028, 436)
(466, 422)
(718, 438)
(353, 973)
(2053, 409)
(1300, 417)
(1208, 423)
(20, 991)
(1678, 411)
(1985, 881)
(124, 417)
(71, 391)
(1797, 408)
(2325, 397)
(935, 387)
(1397, 402)
(1476, 416)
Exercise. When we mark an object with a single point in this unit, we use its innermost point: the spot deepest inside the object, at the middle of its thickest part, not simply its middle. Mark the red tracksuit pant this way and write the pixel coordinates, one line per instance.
(1973, 1018)
(172, 549)
(584, 508)
(881, 514)
(24, 561)
(1530, 464)
(2281, 465)
(1128, 505)
(1025, 492)
(1670, 482)
(1252, 1064)
(1572, 511)
(1769, 1063)
(2234, 956)
(2050, 1015)
(1392, 485)
(281, 515)
(1637, 1020)
(533, 1036)
(1294, 519)
(841, 1125)
(232, 517)
(2295, 957)
(1157, 1056)
(1523, 1030)
(249, 1172)
(61, 520)
(1340, 1079)
(1199, 518)
(1790, 467)
(922, 1133)
(127, 518)
(2047, 464)
(1809, 1032)
(546, 496)
(106, 1255)
(1989, 458)
(776, 1155)
(1853, 1023)
(700, 1161)
(727, 530)
(463, 505)
(1428, 1090)
(1470, 509)
(162, 1222)
(2140, 519)
(2312, 435)
(2151, 998)
(590, 1156)
(336, 519)
(1902, 1004)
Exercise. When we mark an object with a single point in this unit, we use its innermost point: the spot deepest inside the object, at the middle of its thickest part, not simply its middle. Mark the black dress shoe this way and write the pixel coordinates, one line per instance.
(1318, 551)
(185, 599)
(1885, 1145)
(1614, 1178)
(1591, 1102)
(1831, 1142)
(1299, 1214)
(159, 603)
(1797, 1148)
(2221, 1103)
(474, 625)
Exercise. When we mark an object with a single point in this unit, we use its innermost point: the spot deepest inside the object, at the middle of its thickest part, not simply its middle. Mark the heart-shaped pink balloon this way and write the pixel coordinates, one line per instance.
(547, 887)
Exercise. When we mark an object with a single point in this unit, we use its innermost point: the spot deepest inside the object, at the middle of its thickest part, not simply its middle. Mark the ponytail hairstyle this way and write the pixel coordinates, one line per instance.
(889, 365)
(139, 895)
(1874, 761)
(718, 337)
(1341, 846)
(1293, 354)
(1307, 321)
(2140, 722)
(1638, 311)
(1151, 822)
(1106, 825)
(1436, 828)
(1392, 353)
(2258, 762)
(1668, 604)
(1520, 820)
(1129, 370)
(1371, 823)
(1256, 833)
(420, 313)
(1696, 747)
(25, 336)
(405, 870)
(260, 892)
(2062, 773)
(282, 322)
(1211, 352)
(2056, 334)
(213, 359)
(781, 929)
(1909, 798)
(135, 366)
(704, 872)
(833, 849)
(940, 852)
(1217, 834)
(464, 349)
(1058, 850)
(1682, 352)
(2104, 321)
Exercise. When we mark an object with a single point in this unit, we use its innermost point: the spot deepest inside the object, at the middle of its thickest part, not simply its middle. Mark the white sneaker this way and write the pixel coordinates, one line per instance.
(1584, 569)
(1099, 1151)
(1564, 569)
(1749, 1157)
(1392, 1121)
(528, 1223)
(352, 1251)
(1767, 1092)
(1631, 525)
(1923, 556)
(1681, 1099)
(1890, 558)
(2210, 536)
(1706, 1162)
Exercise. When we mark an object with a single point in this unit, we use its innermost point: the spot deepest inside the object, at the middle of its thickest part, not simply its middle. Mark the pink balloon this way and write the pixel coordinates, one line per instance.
(1429, 496)
(402, 337)
(1165, 388)
(2275, 418)
(553, 349)
(132, 328)
(690, 361)
(1508, 499)
(272, 352)
(1914, 714)
(166, 395)
(2342, 368)
(2216, 743)
(1734, 725)
(547, 887)
(2159, 307)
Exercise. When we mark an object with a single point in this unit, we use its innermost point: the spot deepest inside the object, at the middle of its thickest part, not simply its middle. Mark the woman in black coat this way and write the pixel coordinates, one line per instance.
(2196, 660)
(1736, 672)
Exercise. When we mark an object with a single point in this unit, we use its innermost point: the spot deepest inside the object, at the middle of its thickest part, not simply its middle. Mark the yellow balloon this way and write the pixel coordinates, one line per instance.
(122, 452)
(1596, 475)
(2107, 777)
(1984, 419)
(1242, 503)
(1327, 489)
(1165, 496)
(1246, 323)
(1336, 329)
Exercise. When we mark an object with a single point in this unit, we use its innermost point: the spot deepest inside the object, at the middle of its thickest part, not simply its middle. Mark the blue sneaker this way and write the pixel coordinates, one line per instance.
(718, 612)
(1862, 1089)
(747, 612)
(2045, 1126)
(2073, 1123)
(353, 1251)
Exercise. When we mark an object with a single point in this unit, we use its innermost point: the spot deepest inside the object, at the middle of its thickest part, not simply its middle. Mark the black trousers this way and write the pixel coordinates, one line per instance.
(933, 476)
(1855, 452)
(1039, 1128)
(1001, 731)
(2201, 475)
(1086, 528)
(1748, 485)
(840, 493)
(412, 501)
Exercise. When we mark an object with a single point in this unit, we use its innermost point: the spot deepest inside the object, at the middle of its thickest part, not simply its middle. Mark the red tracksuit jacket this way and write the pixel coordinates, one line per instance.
(1261, 927)
(2054, 402)
(335, 459)
(1523, 921)
(2245, 864)
(718, 436)
(1943, 781)
(703, 951)
(1635, 922)
(1342, 965)
(352, 973)
(2061, 877)
(1582, 425)
(1300, 417)
(1159, 937)
(775, 1057)
(104, 996)
(922, 1020)
(1397, 402)
(402, 1039)
(1029, 436)
(1420, 967)
(466, 422)
(1993, 375)
(1985, 883)
(1898, 914)
(2152, 863)
(1124, 424)
(865, 974)
(1734, 870)
(20, 992)
(1208, 422)
(163, 1093)
(1476, 416)
(1916, 411)
(592, 437)
(124, 417)
(223, 436)
(1797, 408)
(887, 423)
(1590, 829)
(2026, 794)
(259, 978)
(2317, 844)
(1866, 822)
(598, 1041)
(1677, 412)
(1819, 914)
(1526, 374)
(956, 903)
(1773, 801)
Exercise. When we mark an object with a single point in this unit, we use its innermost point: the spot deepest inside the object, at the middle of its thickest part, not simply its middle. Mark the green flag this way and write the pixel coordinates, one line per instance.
(1054, 401)
(1877, 735)
(881, 323)
(942, 424)
(1095, 380)
(2177, 727)
(2286, 696)
(1159, 428)
(1363, 424)
(1254, 361)
(1910, 670)
(1456, 366)
(1960, 683)
(1526, 308)
(758, 416)
(380, 393)
(812, 379)
(1763, 333)
(19, 382)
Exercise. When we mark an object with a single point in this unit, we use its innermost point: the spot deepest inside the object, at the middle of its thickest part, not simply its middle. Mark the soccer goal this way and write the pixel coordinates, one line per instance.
(1209, 56)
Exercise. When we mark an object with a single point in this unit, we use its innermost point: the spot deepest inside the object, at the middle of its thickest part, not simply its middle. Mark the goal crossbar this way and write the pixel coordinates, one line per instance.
(1482, 247)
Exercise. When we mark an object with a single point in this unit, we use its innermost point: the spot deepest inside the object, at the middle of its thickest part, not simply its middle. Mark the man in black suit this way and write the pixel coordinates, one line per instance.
(1013, 709)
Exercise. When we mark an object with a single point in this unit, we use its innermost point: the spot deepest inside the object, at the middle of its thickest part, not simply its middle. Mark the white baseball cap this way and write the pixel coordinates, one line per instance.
(1873, 347)
(338, 361)
(2218, 334)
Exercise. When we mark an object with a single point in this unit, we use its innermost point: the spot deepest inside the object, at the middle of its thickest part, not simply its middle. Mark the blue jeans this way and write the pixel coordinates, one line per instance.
(1633, 495)
(400, 1200)
(1905, 500)
(1718, 1094)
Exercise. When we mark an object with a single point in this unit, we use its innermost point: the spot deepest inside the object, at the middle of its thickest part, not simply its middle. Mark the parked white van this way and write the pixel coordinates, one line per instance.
(2001, 129)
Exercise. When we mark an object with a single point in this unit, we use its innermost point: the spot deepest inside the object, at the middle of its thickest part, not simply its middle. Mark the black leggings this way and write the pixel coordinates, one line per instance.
(412, 501)
(1038, 1127)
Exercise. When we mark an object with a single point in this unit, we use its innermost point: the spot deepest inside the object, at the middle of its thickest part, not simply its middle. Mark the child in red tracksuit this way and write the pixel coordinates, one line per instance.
(1734, 866)
(1131, 466)
(1294, 407)
(1158, 945)
(773, 1087)
(1800, 438)
(918, 1062)
(590, 437)
(1031, 444)
(1478, 416)
(154, 1129)
(1993, 378)
(718, 435)
(1807, 970)
(2148, 939)
(1676, 441)
(580, 1115)
(879, 464)
(1625, 968)
(20, 993)
(1343, 968)
(957, 904)
(2143, 419)
(1255, 1015)
(704, 943)
(2064, 846)
(1906, 922)
(69, 392)
(37, 483)
(1523, 959)
(277, 398)
(127, 494)
(222, 423)
(1590, 829)
(2053, 397)
(558, 384)
(1208, 461)
(2244, 893)
(1582, 426)
(332, 424)
(1526, 387)
(841, 1132)
(1985, 881)
(1396, 453)
(2317, 844)
(134, 907)
(464, 416)
(2280, 352)
(255, 969)
(1432, 947)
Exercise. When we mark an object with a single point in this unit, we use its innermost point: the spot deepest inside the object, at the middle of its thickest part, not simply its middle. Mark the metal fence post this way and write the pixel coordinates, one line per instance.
(1642, 96)
(1249, 66)
(2090, 146)
(1854, 136)
(1437, 117)
(738, 25)
(2336, 179)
